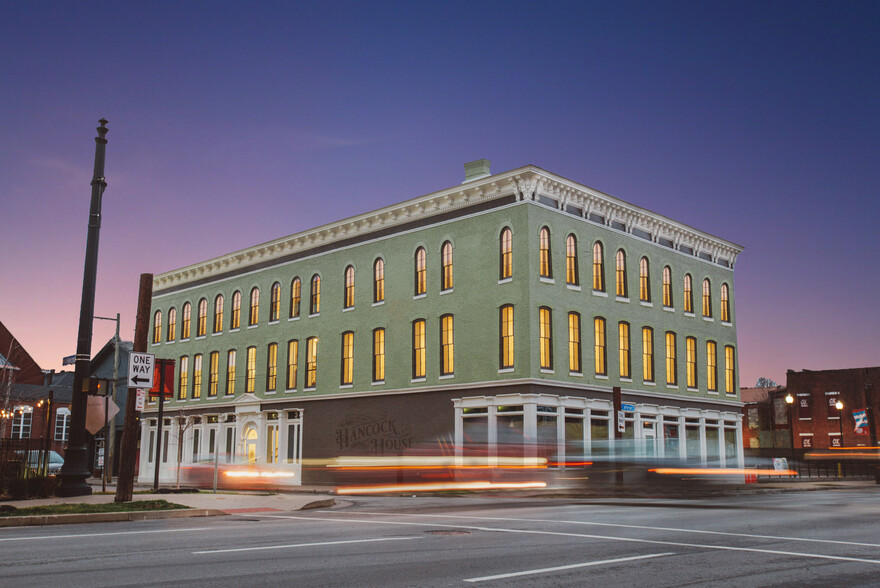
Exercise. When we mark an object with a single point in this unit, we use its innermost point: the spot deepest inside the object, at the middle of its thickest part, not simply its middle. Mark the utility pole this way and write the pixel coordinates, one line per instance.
(75, 469)
(128, 446)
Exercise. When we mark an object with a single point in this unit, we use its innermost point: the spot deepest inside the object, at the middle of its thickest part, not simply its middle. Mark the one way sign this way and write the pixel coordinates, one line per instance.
(140, 370)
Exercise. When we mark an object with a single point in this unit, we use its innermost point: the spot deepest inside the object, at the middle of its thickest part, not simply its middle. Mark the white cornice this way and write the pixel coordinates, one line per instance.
(525, 183)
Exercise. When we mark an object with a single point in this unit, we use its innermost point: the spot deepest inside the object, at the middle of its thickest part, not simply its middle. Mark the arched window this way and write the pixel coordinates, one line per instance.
(254, 314)
(157, 327)
(213, 373)
(346, 369)
(688, 294)
(197, 376)
(691, 359)
(292, 363)
(725, 304)
(545, 337)
(251, 372)
(446, 264)
(418, 349)
(311, 362)
(624, 350)
(187, 321)
(275, 302)
(707, 298)
(571, 261)
(378, 355)
(729, 370)
(505, 335)
(644, 280)
(546, 266)
(230, 372)
(574, 343)
(671, 365)
(235, 321)
(62, 424)
(647, 354)
(667, 287)
(182, 377)
(202, 323)
(379, 280)
(348, 292)
(599, 346)
(620, 274)
(272, 367)
(172, 324)
(295, 296)
(447, 345)
(506, 259)
(711, 366)
(218, 313)
(598, 267)
(421, 278)
(315, 296)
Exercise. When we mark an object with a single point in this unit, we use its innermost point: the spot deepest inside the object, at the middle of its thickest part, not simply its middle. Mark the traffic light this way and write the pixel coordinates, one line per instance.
(97, 386)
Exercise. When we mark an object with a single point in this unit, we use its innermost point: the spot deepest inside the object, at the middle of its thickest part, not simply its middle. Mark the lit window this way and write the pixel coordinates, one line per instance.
(62, 424)
(379, 355)
(236, 311)
(230, 372)
(688, 294)
(311, 362)
(379, 280)
(272, 367)
(620, 274)
(172, 324)
(544, 247)
(729, 370)
(187, 321)
(644, 280)
(599, 346)
(571, 261)
(506, 260)
(691, 358)
(574, 342)
(213, 373)
(183, 378)
(346, 372)
(315, 295)
(295, 296)
(275, 302)
(667, 287)
(505, 324)
(157, 327)
(598, 267)
(202, 324)
(348, 292)
(292, 363)
(21, 422)
(447, 347)
(707, 298)
(624, 350)
(421, 285)
(254, 314)
(711, 366)
(251, 373)
(418, 348)
(446, 264)
(647, 354)
(725, 304)
(545, 337)
(218, 313)
(671, 366)
(197, 376)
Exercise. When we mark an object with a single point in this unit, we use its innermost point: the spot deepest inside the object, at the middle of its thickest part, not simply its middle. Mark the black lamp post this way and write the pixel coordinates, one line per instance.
(75, 469)
(789, 400)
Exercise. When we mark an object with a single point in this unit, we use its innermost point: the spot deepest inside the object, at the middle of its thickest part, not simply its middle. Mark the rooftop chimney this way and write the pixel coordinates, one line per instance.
(475, 170)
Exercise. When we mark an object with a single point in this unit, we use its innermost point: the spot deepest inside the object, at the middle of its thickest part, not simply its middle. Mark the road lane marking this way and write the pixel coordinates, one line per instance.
(619, 525)
(304, 545)
(110, 534)
(568, 567)
(586, 536)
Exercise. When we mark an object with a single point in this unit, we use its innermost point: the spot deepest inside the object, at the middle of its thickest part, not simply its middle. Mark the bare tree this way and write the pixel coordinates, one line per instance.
(765, 383)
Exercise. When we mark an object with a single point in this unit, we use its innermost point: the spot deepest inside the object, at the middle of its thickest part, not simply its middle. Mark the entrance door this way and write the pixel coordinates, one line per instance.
(250, 446)
(649, 437)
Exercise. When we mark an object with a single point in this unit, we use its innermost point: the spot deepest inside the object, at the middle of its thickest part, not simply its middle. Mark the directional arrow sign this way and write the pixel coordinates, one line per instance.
(140, 370)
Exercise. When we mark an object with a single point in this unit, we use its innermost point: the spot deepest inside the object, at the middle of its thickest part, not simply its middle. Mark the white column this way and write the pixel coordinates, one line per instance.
(282, 436)
(492, 435)
(740, 459)
(721, 449)
(530, 428)
(682, 439)
(459, 434)
(560, 433)
(703, 441)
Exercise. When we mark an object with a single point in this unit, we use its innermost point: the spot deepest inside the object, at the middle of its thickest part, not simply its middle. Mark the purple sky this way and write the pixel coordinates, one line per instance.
(232, 124)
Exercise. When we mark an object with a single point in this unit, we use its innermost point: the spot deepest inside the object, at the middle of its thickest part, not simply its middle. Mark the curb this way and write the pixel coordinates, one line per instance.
(107, 517)
(319, 504)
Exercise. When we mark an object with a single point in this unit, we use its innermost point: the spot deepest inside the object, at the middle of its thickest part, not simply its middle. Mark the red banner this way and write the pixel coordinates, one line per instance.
(166, 367)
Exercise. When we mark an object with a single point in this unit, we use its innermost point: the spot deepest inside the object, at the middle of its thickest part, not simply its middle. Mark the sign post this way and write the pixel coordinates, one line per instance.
(141, 367)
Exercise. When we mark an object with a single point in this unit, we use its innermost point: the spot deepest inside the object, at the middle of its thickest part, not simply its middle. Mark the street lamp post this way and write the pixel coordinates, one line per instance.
(789, 400)
(839, 406)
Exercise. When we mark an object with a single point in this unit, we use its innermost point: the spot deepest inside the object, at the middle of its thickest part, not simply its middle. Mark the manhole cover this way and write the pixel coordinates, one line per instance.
(448, 532)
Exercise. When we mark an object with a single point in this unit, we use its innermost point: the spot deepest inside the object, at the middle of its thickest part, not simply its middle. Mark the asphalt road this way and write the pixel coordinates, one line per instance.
(824, 538)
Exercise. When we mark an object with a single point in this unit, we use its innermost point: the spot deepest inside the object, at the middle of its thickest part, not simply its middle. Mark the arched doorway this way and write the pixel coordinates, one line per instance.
(250, 445)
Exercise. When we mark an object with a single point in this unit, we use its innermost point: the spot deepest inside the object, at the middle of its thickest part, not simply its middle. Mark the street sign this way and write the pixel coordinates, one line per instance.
(627, 407)
(141, 400)
(621, 422)
(68, 360)
(861, 420)
(140, 370)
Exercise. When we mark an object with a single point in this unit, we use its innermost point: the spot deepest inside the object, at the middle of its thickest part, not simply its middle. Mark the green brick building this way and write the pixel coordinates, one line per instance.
(503, 311)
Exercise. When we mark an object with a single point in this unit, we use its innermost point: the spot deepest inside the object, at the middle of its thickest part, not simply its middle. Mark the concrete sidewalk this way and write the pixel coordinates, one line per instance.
(201, 504)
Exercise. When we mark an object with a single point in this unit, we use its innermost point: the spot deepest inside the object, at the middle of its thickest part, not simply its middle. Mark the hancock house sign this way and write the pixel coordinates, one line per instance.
(373, 435)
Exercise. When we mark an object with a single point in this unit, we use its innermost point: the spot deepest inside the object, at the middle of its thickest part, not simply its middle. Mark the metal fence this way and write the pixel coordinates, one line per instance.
(22, 458)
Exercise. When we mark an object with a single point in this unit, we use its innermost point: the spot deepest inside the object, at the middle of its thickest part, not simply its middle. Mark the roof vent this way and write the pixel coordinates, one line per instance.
(475, 170)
